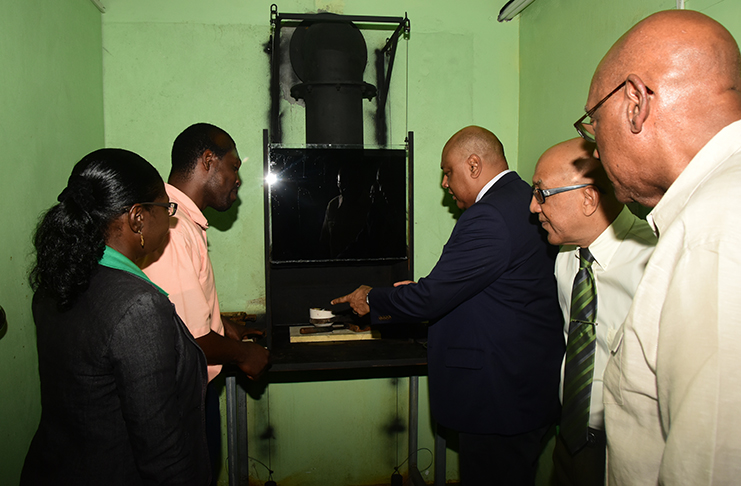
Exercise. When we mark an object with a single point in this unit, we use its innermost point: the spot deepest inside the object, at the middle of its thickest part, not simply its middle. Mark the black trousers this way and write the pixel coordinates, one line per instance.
(507, 460)
(584, 468)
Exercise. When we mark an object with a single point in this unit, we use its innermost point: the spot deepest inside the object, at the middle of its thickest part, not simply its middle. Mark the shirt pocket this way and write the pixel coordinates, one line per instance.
(464, 358)
(611, 333)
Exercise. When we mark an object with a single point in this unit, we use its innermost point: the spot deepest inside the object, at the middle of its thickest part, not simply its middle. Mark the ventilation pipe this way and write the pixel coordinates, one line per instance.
(330, 56)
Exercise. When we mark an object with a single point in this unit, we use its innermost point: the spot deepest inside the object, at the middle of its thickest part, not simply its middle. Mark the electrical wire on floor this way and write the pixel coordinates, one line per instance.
(270, 481)
(396, 475)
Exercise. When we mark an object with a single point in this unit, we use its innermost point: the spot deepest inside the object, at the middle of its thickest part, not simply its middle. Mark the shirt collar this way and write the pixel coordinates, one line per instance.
(187, 206)
(113, 259)
(491, 183)
(724, 144)
(608, 242)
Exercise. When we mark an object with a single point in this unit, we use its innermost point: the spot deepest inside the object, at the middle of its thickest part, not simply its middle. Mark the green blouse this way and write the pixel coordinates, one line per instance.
(113, 259)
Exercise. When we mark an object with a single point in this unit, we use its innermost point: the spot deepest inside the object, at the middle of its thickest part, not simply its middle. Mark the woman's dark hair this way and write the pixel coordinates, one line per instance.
(70, 238)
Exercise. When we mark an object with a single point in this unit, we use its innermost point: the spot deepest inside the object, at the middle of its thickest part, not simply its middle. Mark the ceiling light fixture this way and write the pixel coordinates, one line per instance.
(99, 5)
(512, 8)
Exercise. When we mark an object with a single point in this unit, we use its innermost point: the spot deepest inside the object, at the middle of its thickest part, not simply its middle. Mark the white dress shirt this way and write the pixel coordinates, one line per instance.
(491, 183)
(620, 256)
(673, 383)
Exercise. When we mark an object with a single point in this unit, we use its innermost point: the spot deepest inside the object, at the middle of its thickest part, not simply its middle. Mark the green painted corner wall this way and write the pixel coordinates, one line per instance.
(52, 114)
(148, 69)
(561, 43)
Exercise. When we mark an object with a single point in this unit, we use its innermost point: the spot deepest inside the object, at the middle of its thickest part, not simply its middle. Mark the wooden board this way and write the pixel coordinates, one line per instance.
(333, 336)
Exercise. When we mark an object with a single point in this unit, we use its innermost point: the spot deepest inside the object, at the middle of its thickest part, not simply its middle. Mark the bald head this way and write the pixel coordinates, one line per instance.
(572, 162)
(470, 159)
(676, 48)
(578, 216)
(683, 85)
(479, 141)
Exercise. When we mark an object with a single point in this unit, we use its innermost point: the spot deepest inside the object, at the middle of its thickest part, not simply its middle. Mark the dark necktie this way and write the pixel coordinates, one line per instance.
(579, 369)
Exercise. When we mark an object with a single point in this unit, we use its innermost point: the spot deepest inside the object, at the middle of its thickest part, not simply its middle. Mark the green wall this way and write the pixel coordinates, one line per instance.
(561, 43)
(157, 66)
(51, 99)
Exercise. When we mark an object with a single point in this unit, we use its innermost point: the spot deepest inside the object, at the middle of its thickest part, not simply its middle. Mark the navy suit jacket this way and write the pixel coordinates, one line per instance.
(495, 340)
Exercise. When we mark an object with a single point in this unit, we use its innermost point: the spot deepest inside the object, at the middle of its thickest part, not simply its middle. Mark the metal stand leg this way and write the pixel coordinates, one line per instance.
(242, 450)
(236, 424)
(440, 457)
(414, 474)
(236, 433)
(231, 430)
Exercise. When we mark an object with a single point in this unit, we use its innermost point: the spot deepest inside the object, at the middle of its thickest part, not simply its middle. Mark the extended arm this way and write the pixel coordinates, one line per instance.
(184, 271)
(239, 332)
(251, 358)
(358, 300)
(476, 255)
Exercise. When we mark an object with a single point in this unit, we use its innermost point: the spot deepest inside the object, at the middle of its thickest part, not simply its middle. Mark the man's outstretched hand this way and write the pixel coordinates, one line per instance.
(357, 300)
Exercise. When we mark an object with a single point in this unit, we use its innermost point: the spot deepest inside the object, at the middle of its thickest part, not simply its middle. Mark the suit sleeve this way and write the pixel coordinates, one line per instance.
(144, 356)
(477, 254)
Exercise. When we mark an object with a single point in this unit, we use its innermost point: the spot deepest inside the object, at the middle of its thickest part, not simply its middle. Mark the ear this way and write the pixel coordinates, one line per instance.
(591, 200)
(637, 109)
(207, 159)
(474, 165)
(136, 218)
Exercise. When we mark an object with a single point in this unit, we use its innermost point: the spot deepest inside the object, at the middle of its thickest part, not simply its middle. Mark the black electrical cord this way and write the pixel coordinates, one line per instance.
(270, 471)
(432, 458)
(270, 481)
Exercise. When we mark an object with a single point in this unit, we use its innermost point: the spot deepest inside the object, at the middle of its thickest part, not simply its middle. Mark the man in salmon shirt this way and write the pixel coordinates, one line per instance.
(205, 166)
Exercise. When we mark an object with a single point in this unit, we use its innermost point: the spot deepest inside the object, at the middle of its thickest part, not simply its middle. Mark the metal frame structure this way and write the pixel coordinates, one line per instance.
(236, 397)
(276, 23)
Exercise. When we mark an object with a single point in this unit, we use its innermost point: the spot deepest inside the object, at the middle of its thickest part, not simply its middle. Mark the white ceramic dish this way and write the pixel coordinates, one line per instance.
(320, 317)
(318, 313)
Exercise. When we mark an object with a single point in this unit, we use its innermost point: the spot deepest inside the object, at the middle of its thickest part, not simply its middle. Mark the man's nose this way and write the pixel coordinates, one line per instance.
(534, 205)
(445, 182)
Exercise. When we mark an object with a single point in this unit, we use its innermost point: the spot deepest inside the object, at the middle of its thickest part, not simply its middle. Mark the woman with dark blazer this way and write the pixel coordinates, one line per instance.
(122, 380)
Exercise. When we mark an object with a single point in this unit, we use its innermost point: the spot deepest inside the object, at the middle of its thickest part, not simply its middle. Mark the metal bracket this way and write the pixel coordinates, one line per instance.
(3, 322)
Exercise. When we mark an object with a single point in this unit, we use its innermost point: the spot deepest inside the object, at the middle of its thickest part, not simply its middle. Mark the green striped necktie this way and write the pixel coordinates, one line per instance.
(579, 369)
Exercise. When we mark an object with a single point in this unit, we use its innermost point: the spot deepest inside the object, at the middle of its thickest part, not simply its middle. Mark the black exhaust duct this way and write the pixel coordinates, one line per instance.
(329, 55)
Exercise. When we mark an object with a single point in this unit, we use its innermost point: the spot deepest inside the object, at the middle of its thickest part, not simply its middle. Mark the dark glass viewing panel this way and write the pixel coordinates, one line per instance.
(337, 204)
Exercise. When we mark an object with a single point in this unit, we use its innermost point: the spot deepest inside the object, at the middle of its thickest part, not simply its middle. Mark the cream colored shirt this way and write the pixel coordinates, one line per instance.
(183, 269)
(620, 256)
(673, 382)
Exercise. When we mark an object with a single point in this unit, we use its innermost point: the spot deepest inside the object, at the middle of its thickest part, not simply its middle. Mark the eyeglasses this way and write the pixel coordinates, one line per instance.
(586, 130)
(172, 207)
(541, 194)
